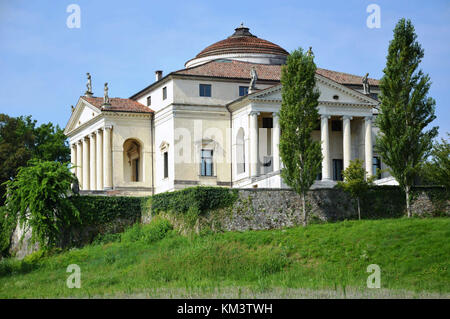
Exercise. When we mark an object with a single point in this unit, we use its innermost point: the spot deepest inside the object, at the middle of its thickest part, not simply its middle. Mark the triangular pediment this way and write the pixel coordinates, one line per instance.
(82, 113)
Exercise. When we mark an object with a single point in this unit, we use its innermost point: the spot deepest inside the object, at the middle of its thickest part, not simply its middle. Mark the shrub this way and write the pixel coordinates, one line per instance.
(149, 233)
(195, 200)
(7, 226)
(39, 196)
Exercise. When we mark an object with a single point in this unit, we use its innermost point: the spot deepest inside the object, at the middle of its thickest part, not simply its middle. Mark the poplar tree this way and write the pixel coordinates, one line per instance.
(405, 110)
(298, 117)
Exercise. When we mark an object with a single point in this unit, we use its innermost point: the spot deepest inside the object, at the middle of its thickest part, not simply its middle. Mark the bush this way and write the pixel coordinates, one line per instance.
(195, 200)
(7, 226)
(149, 233)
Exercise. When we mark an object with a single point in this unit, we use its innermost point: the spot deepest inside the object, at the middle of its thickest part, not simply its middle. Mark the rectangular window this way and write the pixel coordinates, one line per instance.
(166, 165)
(164, 92)
(205, 90)
(267, 122)
(337, 169)
(206, 166)
(149, 100)
(336, 125)
(376, 166)
(243, 90)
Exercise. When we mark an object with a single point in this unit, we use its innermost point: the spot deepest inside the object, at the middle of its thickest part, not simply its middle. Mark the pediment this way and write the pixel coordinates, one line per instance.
(82, 113)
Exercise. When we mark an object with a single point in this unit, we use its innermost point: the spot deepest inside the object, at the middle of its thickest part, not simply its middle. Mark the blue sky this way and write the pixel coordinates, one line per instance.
(43, 63)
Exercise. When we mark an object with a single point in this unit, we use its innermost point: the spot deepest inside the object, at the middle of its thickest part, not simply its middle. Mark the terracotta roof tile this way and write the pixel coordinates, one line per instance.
(118, 104)
(236, 69)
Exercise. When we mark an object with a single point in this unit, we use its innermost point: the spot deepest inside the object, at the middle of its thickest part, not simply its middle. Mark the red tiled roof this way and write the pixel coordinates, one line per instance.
(238, 69)
(242, 41)
(345, 78)
(118, 104)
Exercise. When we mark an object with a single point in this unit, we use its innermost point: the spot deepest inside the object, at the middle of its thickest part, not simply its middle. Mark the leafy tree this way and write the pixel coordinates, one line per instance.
(355, 181)
(405, 109)
(39, 195)
(437, 170)
(21, 140)
(301, 155)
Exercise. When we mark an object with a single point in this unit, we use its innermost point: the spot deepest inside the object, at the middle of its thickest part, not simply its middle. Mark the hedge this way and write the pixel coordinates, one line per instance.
(199, 198)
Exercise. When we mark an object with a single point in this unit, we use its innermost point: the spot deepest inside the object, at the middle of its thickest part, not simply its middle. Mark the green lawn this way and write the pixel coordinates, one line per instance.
(328, 260)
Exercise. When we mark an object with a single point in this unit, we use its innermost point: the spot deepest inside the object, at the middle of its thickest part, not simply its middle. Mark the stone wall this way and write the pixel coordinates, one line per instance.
(267, 208)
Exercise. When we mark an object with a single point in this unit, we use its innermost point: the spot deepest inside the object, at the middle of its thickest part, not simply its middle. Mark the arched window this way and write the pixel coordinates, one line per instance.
(240, 151)
(132, 161)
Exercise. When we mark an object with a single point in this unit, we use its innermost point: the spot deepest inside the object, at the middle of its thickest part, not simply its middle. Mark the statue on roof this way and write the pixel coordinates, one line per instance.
(254, 78)
(310, 52)
(88, 85)
(366, 86)
(106, 100)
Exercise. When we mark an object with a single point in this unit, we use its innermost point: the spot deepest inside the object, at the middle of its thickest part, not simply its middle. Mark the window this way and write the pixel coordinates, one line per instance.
(267, 122)
(337, 170)
(243, 90)
(206, 166)
(166, 164)
(205, 90)
(376, 166)
(336, 125)
(164, 92)
(149, 100)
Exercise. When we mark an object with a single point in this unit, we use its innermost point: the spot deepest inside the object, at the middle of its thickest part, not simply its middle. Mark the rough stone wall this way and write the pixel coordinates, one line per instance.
(268, 208)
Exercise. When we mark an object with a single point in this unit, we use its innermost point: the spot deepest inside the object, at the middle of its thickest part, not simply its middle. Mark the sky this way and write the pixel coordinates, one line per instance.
(43, 62)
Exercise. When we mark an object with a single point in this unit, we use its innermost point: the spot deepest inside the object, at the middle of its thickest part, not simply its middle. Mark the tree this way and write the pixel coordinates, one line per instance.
(39, 197)
(405, 109)
(21, 140)
(437, 170)
(298, 115)
(355, 181)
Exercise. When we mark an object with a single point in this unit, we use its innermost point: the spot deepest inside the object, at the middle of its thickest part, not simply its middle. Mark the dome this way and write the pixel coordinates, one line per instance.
(242, 46)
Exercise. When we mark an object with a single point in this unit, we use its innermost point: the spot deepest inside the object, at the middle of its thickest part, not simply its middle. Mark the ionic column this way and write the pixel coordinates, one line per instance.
(99, 159)
(347, 140)
(73, 157)
(85, 165)
(92, 160)
(107, 158)
(276, 142)
(368, 147)
(254, 143)
(79, 168)
(325, 143)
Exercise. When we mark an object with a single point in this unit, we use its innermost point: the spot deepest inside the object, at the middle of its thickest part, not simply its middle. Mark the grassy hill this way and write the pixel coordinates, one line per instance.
(328, 260)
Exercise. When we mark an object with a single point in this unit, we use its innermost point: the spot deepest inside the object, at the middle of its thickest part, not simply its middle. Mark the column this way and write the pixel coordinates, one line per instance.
(85, 165)
(276, 142)
(347, 140)
(254, 143)
(107, 158)
(368, 147)
(92, 164)
(325, 139)
(79, 168)
(73, 157)
(99, 160)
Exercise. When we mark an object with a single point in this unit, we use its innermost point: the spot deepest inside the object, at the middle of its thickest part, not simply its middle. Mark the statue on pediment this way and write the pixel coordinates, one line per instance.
(106, 100)
(254, 78)
(366, 86)
(88, 86)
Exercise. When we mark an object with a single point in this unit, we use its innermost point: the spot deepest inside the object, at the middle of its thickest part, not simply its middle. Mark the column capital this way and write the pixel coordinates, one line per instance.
(99, 130)
(80, 141)
(108, 127)
(347, 117)
(275, 114)
(254, 113)
(325, 116)
(91, 135)
(368, 118)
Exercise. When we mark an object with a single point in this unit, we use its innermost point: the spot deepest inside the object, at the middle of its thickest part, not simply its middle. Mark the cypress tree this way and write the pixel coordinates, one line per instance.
(298, 115)
(405, 110)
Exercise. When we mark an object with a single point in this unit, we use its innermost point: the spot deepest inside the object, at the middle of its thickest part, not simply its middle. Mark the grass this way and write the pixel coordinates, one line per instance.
(318, 261)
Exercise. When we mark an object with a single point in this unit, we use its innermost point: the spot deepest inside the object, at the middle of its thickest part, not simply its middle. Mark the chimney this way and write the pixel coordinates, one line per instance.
(158, 75)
